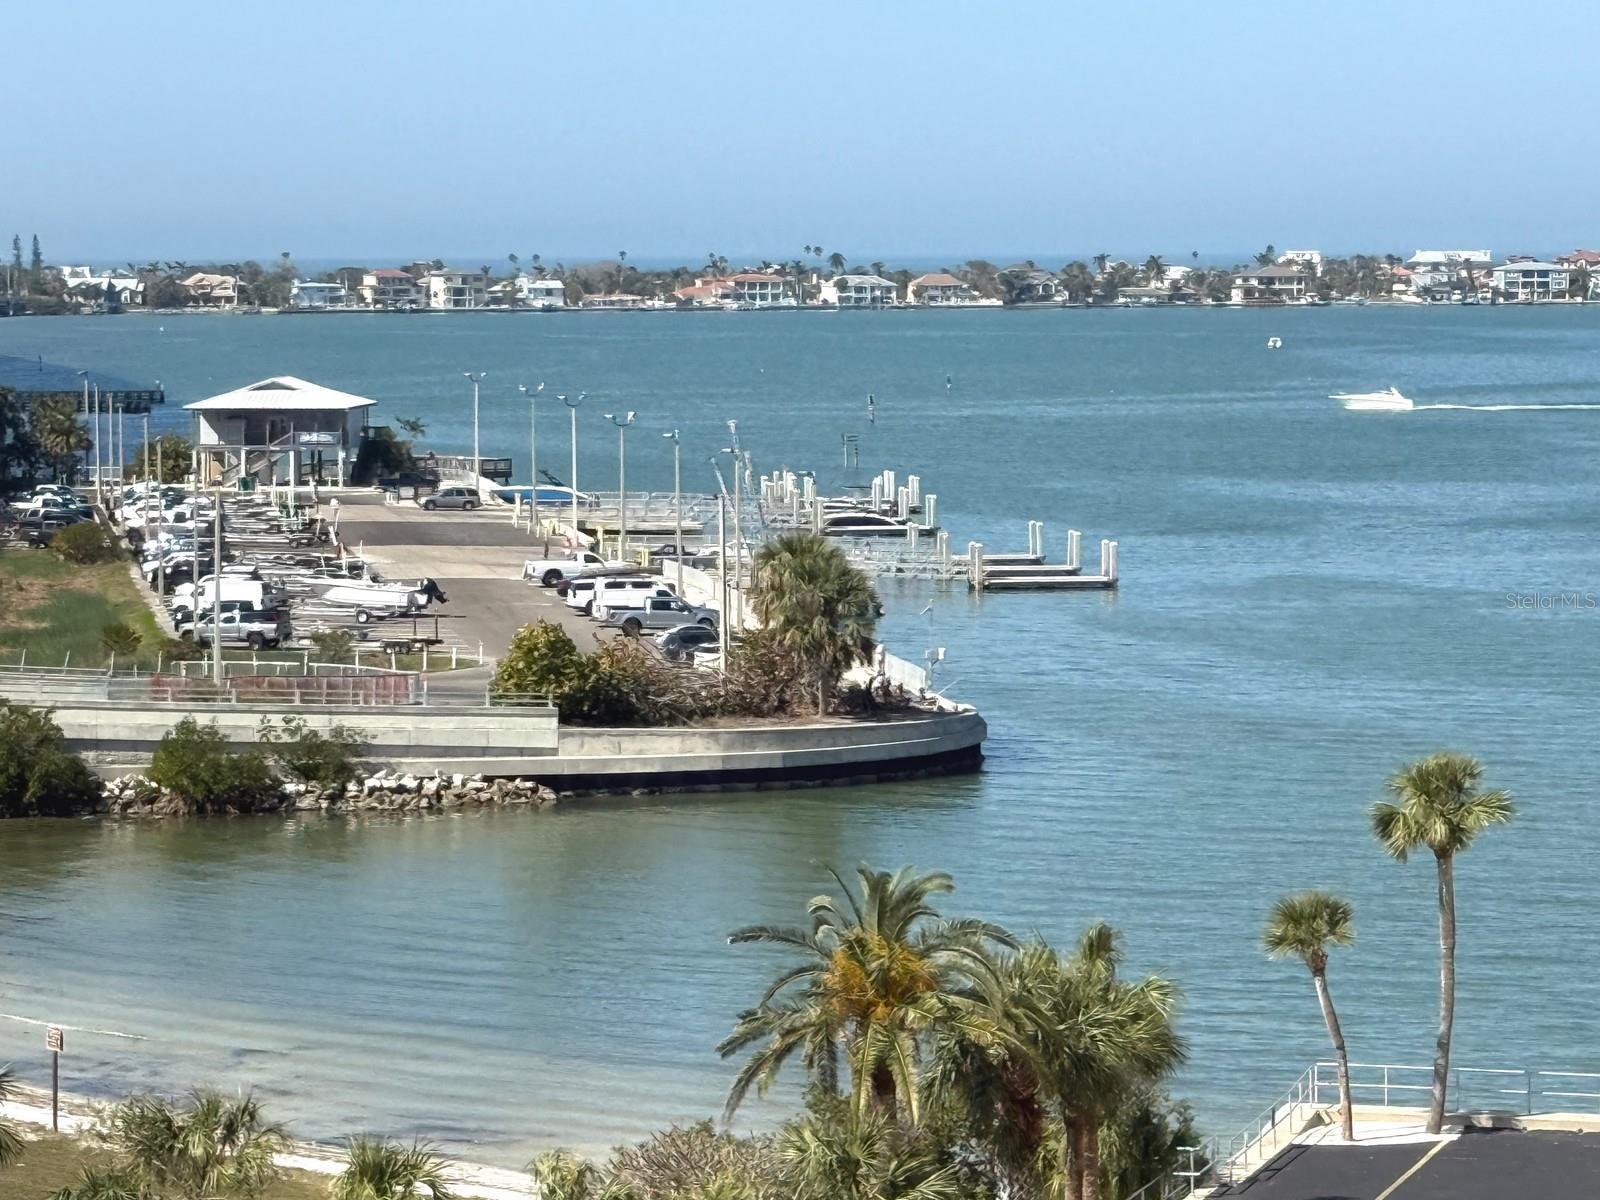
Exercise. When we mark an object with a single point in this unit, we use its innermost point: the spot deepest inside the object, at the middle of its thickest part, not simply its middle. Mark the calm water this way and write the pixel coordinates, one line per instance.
(1310, 597)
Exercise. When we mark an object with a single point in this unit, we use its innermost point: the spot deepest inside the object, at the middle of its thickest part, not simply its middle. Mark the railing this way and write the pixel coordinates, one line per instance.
(1497, 1089)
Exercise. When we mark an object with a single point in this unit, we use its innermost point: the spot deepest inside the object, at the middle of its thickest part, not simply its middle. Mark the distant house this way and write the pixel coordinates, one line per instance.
(858, 291)
(1271, 285)
(542, 294)
(1130, 296)
(1447, 270)
(1306, 258)
(211, 291)
(705, 293)
(305, 294)
(450, 288)
(1029, 285)
(940, 288)
(90, 286)
(387, 287)
(1529, 281)
(756, 289)
(1589, 259)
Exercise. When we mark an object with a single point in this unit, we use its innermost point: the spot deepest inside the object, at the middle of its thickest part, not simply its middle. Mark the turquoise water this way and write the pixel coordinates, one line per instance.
(1310, 597)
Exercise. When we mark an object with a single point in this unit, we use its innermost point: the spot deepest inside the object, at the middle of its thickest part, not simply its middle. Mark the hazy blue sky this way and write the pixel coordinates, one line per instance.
(385, 131)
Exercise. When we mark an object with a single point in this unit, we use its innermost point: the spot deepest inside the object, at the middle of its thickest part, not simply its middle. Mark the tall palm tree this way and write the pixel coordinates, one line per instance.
(816, 605)
(1267, 257)
(866, 1157)
(379, 1169)
(1100, 262)
(836, 263)
(1437, 805)
(212, 1146)
(58, 432)
(880, 969)
(1303, 926)
(1154, 270)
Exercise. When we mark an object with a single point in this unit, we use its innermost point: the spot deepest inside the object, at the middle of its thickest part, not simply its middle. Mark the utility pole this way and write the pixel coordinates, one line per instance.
(677, 502)
(533, 451)
(622, 424)
(216, 590)
(97, 495)
(572, 403)
(477, 377)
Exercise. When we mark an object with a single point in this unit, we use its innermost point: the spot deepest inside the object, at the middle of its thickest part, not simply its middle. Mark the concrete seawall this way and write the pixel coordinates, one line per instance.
(118, 739)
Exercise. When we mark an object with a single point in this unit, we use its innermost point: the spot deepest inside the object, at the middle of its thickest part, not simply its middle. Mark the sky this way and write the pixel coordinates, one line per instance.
(928, 131)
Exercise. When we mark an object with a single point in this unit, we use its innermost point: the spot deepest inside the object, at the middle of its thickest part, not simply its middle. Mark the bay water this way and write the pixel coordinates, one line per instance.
(1310, 597)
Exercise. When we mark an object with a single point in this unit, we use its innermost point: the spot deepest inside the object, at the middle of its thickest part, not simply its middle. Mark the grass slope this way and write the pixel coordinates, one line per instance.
(53, 608)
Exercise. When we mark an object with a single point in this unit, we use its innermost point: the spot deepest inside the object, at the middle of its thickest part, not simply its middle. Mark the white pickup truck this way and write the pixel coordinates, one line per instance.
(659, 612)
(551, 571)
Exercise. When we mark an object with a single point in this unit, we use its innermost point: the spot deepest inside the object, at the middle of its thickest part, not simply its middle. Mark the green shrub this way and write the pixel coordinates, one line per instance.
(542, 658)
(119, 638)
(39, 776)
(194, 765)
(333, 645)
(85, 543)
(330, 759)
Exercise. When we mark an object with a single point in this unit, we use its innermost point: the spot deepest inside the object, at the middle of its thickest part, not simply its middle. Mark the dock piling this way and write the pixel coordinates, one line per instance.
(1074, 549)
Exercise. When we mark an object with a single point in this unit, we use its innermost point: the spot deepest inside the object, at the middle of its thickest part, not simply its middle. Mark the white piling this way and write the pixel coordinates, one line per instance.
(913, 533)
(888, 483)
(1111, 570)
(975, 564)
(1105, 556)
(877, 493)
(941, 546)
(902, 503)
(930, 509)
(914, 486)
(1074, 549)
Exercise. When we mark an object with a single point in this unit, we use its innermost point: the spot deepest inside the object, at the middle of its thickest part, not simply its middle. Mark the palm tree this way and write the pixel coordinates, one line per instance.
(815, 605)
(879, 970)
(104, 1183)
(1100, 261)
(564, 1176)
(212, 1147)
(1077, 280)
(836, 263)
(1267, 257)
(1437, 804)
(10, 1143)
(379, 1169)
(1154, 270)
(58, 431)
(867, 1157)
(1303, 926)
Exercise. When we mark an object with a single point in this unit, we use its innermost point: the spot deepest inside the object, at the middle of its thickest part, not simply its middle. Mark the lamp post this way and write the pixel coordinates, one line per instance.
(84, 375)
(722, 567)
(738, 535)
(533, 451)
(97, 496)
(572, 403)
(677, 501)
(477, 377)
(622, 423)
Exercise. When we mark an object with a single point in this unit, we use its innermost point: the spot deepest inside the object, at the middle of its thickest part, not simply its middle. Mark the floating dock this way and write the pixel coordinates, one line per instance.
(1028, 571)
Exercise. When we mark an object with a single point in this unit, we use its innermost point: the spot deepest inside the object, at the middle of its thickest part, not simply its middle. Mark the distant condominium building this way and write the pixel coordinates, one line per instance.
(451, 288)
(1530, 281)
(859, 291)
(387, 287)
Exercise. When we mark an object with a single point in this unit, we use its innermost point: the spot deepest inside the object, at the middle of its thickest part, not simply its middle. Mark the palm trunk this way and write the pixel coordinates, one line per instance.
(1447, 991)
(1091, 1158)
(1330, 1018)
(1074, 1157)
(822, 695)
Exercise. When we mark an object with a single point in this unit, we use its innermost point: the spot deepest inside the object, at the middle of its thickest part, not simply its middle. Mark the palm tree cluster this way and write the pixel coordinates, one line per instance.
(934, 1033)
(1436, 804)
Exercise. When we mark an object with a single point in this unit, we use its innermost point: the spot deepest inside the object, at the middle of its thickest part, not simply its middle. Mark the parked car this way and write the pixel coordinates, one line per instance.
(612, 593)
(457, 495)
(660, 612)
(679, 643)
(579, 592)
(550, 571)
(255, 628)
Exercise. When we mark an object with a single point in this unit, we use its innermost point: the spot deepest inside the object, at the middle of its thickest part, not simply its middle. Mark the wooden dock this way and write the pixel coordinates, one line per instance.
(1028, 571)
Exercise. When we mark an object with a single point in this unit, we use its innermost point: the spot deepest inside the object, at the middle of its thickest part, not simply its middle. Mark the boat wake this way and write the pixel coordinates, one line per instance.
(1509, 407)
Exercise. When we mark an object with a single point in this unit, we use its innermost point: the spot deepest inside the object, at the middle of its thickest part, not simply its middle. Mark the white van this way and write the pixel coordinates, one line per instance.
(625, 593)
(254, 592)
(580, 593)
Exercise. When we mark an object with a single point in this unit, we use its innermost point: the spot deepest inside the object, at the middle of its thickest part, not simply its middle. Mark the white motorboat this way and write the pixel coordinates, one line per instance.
(1388, 400)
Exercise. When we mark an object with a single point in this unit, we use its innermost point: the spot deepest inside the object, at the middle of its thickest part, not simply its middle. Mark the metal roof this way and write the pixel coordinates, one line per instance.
(282, 393)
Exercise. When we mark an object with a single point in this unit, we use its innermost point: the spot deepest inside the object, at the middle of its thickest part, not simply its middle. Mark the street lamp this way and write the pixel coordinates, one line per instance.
(533, 450)
(677, 501)
(738, 536)
(477, 377)
(572, 403)
(622, 423)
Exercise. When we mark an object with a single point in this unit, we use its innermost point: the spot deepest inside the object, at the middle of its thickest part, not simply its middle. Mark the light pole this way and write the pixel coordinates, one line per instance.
(97, 496)
(572, 403)
(677, 501)
(722, 567)
(84, 375)
(622, 424)
(477, 377)
(533, 451)
(738, 536)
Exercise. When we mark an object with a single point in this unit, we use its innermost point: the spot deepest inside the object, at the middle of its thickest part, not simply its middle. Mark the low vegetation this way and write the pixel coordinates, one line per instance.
(86, 544)
(328, 758)
(55, 611)
(194, 765)
(39, 776)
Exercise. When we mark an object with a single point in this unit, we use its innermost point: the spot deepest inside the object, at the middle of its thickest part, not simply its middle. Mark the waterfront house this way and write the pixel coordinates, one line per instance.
(211, 291)
(1025, 283)
(614, 301)
(1588, 260)
(449, 288)
(526, 291)
(103, 289)
(1441, 272)
(387, 287)
(1271, 285)
(705, 293)
(940, 289)
(756, 289)
(303, 293)
(1529, 281)
(280, 427)
(858, 291)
